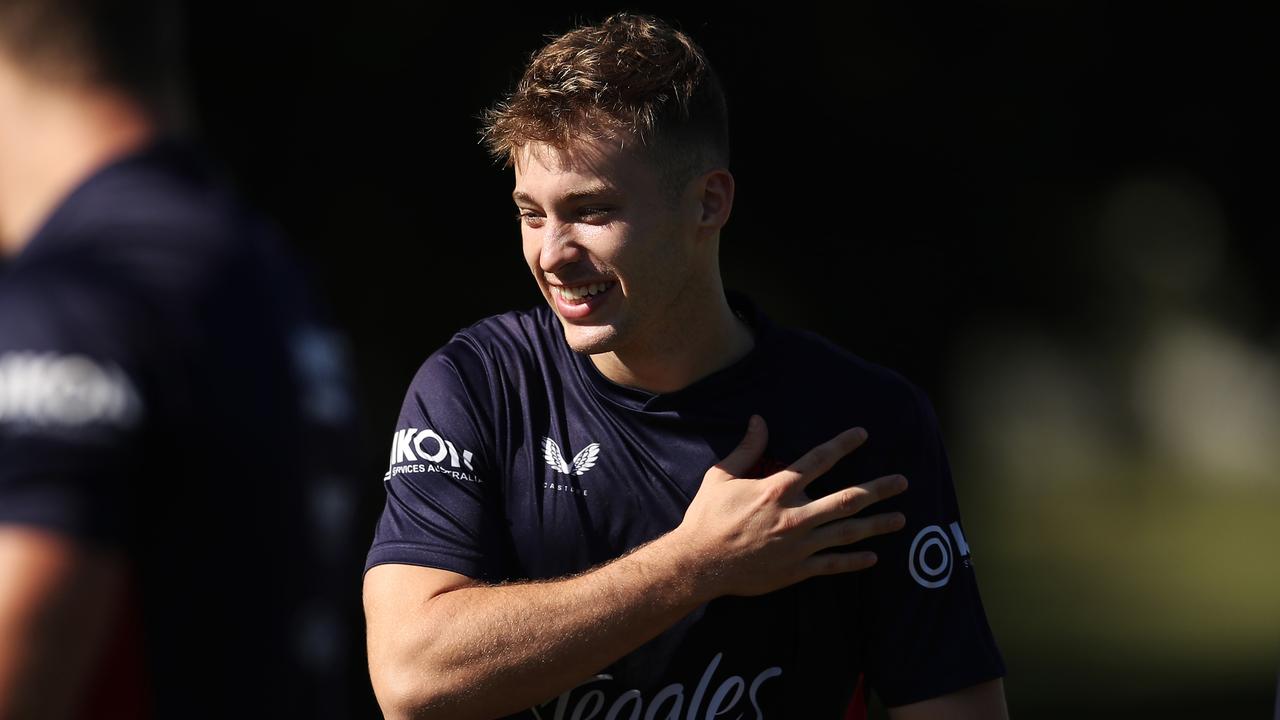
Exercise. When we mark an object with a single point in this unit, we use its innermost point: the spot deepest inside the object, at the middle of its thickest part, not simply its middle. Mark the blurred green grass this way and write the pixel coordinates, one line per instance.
(1132, 592)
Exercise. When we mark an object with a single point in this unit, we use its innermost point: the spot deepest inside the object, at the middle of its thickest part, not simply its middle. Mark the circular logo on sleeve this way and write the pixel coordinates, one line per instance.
(930, 560)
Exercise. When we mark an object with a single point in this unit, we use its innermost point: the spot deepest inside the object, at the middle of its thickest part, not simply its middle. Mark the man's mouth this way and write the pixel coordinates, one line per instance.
(578, 295)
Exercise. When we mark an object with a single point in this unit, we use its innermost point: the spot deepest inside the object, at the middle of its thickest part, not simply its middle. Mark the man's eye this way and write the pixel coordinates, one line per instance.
(593, 211)
(528, 218)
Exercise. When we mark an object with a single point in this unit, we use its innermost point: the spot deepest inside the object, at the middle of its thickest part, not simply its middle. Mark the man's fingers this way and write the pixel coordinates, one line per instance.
(836, 563)
(851, 501)
(852, 530)
(738, 462)
(822, 458)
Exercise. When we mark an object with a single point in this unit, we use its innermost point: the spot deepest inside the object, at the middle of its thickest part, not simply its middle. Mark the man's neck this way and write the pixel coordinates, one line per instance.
(677, 358)
(51, 140)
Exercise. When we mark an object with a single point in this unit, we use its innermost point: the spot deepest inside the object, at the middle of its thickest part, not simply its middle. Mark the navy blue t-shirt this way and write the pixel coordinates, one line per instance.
(168, 394)
(515, 458)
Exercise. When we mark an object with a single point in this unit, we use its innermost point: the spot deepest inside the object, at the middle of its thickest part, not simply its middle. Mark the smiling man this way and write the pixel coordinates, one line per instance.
(576, 526)
(610, 250)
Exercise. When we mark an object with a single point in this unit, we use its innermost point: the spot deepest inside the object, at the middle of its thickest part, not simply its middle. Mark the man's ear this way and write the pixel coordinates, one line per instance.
(715, 198)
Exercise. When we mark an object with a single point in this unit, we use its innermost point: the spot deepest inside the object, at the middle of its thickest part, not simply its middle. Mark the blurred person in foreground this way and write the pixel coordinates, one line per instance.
(575, 525)
(172, 531)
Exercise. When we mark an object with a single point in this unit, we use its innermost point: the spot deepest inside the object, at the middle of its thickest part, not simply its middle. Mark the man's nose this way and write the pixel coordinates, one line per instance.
(559, 246)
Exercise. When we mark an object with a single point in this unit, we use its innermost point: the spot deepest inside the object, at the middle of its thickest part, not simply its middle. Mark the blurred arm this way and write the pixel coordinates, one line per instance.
(984, 701)
(56, 601)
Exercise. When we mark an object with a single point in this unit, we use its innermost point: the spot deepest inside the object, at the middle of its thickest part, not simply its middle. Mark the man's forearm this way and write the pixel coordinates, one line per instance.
(485, 651)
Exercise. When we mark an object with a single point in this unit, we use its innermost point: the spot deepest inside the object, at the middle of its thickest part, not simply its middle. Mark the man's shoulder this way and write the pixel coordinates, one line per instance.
(527, 335)
(819, 362)
(533, 327)
(502, 345)
(69, 309)
(819, 372)
(160, 220)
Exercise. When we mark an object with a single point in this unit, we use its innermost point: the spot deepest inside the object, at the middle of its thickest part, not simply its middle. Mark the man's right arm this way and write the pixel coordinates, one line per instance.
(444, 645)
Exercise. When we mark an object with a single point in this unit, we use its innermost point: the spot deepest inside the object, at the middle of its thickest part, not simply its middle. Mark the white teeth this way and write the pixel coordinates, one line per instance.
(582, 291)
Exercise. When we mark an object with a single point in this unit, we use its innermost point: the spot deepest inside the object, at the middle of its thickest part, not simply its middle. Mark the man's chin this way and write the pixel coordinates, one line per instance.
(590, 340)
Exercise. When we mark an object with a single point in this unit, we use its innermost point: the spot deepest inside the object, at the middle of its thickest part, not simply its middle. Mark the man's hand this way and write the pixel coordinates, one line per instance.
(752, 536)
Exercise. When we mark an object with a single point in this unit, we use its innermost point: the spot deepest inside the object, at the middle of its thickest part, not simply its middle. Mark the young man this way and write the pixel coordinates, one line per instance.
(562, 538)
(167, 405)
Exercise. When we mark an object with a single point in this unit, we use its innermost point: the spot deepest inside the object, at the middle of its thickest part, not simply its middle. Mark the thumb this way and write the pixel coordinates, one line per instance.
(743, 457)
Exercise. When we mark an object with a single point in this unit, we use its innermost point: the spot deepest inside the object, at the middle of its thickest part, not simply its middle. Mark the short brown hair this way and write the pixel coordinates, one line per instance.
(132, 46)
(632, 77)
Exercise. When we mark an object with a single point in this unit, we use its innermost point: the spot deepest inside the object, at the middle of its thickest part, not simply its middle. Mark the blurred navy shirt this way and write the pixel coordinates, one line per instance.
(515, 458)
(167, 391)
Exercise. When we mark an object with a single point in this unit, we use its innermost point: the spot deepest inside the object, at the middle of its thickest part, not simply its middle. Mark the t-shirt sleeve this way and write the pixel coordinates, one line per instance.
(443, 508)
(924, 626)
(72, 409)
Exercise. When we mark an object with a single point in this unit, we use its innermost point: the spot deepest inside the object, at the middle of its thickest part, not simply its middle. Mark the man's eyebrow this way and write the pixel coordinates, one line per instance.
(571, 196)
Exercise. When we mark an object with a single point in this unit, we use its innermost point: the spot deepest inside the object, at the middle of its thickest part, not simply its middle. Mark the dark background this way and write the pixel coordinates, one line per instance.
(1047, 214)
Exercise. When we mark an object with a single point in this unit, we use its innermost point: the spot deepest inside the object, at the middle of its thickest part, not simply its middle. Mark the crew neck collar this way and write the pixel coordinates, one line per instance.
(725, 379)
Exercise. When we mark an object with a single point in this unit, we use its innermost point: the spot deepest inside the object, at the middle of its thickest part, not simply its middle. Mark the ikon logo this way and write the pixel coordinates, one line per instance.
(930, 561)
(412, 445)
(45, 388)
